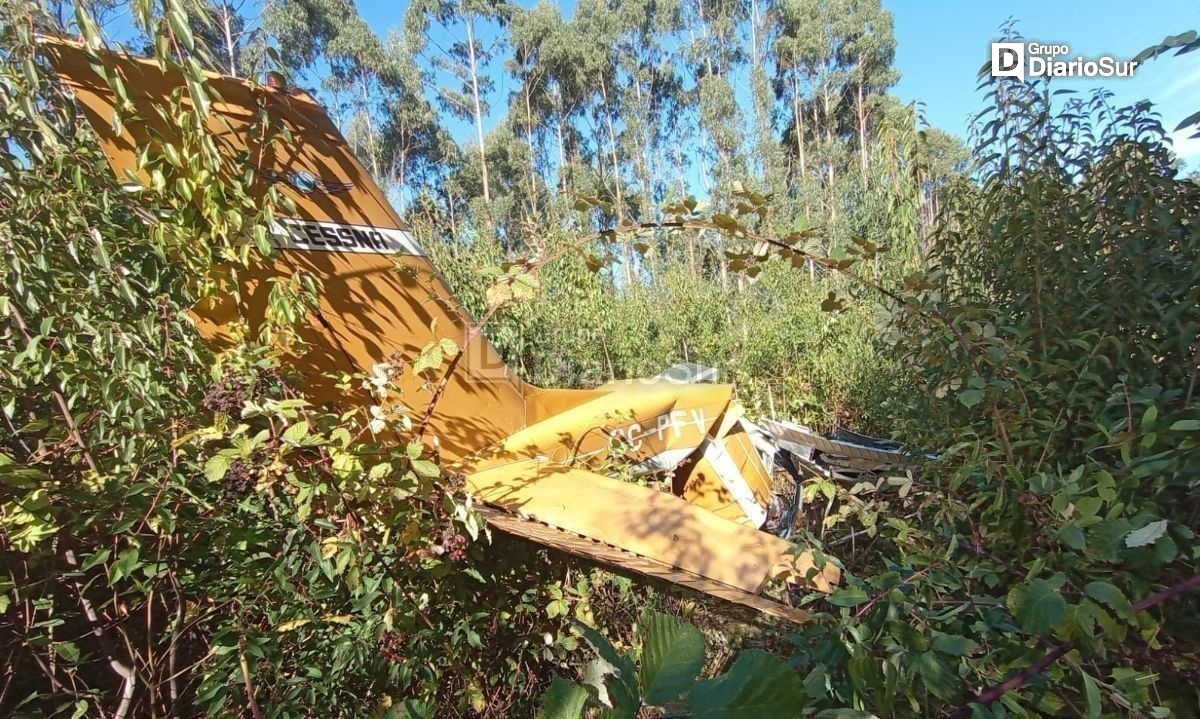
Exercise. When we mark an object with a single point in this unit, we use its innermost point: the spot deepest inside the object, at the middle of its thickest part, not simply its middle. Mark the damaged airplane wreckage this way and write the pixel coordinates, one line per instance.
(715, 526)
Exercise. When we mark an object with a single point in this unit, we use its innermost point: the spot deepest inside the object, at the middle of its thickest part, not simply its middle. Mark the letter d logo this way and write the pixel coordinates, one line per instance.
(1008, 60)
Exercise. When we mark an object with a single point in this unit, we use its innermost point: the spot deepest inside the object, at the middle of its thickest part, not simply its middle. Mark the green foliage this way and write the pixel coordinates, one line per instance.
(766, 333)
(665, 673)
(1051, 341)
(563, 700)
(1038, 604)
(758, 684)
(671, 659)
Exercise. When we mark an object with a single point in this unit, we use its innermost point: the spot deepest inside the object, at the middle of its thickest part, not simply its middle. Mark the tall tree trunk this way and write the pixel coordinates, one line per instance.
(798, 116)
(677, 156)
(830, 193)
(366, 110)
(533, 173)
(649, 211)
(487, 192)
(559, 118)
(799, 130)
(707, 33)
(612, 145)
(722, 266)
(647, 169)
(226, 23)
(562, 155)
(862, 132)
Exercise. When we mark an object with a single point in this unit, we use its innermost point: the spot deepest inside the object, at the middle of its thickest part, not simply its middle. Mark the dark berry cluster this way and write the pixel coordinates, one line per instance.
(229, 394)
(455, 482)
(392, 645)
(399, 365)
(226, 395)
(454, 543)
(239, 478)
(270, 377)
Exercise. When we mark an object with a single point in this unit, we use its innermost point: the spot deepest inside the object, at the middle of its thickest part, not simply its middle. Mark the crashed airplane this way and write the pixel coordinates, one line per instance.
(529, 454)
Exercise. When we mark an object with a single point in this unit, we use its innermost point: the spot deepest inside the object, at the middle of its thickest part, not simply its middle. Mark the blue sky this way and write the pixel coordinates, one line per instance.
(940, 45)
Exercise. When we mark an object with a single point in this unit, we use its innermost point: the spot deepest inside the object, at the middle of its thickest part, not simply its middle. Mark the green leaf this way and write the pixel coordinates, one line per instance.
(848, 597)
(96, 558)
(938, 678)
(1148, 534)
(757, 685)
(1072, 536)
(623, 690)
(1165, 550)
(1091, 694)
(127, 562)
(425, 468)
(953, 644)
(563, 700)
(1038, 605)
(179, 25)
(1186, 425)
(1109, 594)
(970, 397)
(296, 433)
(68, 651)
(672, 657)
(409, 709)
(430, 358)
(216, 466)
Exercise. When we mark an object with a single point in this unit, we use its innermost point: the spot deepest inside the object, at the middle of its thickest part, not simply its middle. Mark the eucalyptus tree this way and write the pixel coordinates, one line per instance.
(558, 61)
(867, 51)
(313, 35)
(650, 87)
(535, 104)
(598, 29)
(812, 73)
(417, 149)
(236, 45)
(716, 55)
(226, 38)
(765, 152)
(391, 125)
(940, 159)
(465, 60)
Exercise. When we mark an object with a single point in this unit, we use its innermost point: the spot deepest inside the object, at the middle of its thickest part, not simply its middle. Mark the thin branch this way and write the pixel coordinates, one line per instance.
(249, 685)
(61, 401)
(1019, 680)
(127, 673)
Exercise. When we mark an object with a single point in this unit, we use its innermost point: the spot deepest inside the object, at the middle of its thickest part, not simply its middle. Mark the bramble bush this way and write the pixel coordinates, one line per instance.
(183, 532)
